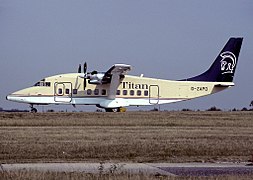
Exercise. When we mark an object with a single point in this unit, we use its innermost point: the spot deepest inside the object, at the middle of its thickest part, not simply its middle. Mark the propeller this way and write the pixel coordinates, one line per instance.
(85, 75)
(79, 69)
(84, 67)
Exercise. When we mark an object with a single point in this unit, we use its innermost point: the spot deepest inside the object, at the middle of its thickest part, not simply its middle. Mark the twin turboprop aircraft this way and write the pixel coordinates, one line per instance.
(113, 90)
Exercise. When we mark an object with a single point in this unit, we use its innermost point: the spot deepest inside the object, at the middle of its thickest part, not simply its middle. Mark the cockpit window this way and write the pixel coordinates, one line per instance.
(43, 83)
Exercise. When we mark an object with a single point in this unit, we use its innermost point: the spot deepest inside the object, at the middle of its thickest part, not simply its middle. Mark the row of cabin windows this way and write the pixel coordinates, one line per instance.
(132, 92)
(67, 91)
(103, 92)
(89, 91)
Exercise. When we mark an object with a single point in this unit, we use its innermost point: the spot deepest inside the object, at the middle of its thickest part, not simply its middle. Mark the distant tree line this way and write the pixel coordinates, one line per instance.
(12, 110)
(213, 108)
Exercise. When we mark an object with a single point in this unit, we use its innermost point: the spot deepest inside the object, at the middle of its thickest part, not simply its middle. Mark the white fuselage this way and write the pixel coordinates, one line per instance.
(131, 91)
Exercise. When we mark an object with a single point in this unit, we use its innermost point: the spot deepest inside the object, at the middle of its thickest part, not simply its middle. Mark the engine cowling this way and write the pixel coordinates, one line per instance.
(95, 78)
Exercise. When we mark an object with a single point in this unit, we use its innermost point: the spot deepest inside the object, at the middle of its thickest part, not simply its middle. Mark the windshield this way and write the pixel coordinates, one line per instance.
(42, 83)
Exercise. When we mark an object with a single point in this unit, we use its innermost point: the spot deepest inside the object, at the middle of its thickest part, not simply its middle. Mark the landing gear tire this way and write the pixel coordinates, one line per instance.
(120, 109)
(34, 110)
(110, 110)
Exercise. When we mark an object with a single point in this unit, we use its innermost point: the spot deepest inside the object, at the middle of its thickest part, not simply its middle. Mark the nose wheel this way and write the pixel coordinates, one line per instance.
(33, 110)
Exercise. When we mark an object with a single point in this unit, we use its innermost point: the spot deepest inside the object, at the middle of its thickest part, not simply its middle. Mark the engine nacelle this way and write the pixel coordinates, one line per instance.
(95, 78)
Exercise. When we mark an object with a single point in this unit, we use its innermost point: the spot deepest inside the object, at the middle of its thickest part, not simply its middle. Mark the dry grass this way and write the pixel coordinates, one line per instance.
(129, 137)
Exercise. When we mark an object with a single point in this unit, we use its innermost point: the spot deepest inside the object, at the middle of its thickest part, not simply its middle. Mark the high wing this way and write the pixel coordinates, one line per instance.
(115, 73)
(120, 69)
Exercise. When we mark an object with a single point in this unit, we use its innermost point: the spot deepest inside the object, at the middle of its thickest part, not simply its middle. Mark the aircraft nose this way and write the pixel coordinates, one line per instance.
(10, 97)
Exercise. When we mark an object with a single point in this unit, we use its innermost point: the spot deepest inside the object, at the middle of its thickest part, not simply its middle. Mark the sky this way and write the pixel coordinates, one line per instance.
(167, 39)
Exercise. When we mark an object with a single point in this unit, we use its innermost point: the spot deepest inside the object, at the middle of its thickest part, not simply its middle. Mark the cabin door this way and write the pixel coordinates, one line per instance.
(63, 92)
(153, 94)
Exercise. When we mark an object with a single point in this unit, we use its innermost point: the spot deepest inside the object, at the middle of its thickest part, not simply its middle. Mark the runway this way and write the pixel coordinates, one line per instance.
(168, 169)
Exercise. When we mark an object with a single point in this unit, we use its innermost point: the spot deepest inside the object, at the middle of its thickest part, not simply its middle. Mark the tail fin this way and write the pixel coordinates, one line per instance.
(223, 68)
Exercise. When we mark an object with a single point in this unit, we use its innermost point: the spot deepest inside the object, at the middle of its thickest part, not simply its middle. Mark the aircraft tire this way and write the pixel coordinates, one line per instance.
(34, 110)
(120, 109)
(112, 110)
(108, 110)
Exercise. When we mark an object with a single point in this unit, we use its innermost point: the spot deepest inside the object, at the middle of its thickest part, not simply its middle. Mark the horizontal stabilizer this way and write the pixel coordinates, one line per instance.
(224, 85)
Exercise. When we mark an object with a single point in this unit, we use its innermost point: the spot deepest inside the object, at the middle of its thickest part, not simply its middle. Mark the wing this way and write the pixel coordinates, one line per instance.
(116, 72)
(118, 68)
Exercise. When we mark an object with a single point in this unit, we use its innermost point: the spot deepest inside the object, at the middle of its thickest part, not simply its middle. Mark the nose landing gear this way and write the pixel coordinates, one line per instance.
(33, 110)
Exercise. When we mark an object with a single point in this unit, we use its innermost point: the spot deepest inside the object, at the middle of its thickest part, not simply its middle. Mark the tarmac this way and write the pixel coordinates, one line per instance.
(166, 169)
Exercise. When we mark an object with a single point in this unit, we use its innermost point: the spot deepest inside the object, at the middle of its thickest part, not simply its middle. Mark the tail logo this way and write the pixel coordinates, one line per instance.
(228, 62)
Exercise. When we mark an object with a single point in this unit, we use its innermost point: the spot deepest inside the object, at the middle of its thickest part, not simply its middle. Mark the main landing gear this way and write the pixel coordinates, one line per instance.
(119, 109)
(33, 110)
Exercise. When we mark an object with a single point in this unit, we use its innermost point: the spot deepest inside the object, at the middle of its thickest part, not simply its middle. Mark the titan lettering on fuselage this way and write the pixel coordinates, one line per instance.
(131, 85)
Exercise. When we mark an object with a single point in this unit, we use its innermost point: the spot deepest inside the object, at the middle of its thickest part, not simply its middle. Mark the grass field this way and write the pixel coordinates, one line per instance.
(128, 137)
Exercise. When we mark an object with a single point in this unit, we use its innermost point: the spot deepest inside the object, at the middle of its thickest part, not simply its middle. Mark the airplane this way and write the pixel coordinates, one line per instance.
(114, 90)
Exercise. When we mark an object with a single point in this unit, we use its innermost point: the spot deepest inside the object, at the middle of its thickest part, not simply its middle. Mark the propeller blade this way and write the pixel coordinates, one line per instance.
(84, 83)
(79, 69)
(84, 72)
(85, 68)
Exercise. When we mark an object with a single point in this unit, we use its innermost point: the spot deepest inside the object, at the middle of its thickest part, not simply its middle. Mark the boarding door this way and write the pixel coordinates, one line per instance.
(63, 92)
(153, 94)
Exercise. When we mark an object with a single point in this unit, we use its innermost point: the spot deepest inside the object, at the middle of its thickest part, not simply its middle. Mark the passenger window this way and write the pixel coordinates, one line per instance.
(103, 91)
(74, 91)
(89, 91)
(124, 92)
(132, 92)
(60, 91)
(118, 92)
(146, 93)
(139, 93)
(96, 91)
(67, 91)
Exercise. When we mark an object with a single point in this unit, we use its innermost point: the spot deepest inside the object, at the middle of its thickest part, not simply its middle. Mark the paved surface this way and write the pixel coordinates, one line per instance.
(207, 169)
(169, 169)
